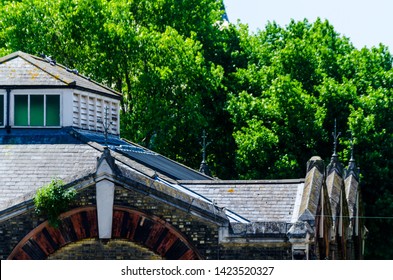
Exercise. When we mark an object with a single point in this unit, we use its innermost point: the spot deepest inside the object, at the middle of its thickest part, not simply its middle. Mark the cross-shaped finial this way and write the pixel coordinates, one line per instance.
(204, 145)
(335, 138)
(106, 124)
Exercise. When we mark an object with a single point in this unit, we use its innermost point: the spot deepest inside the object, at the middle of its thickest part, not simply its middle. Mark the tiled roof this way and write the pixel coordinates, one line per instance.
(257, 201)
(29, 166)
(31, 158)
(145, 157)
(21, 69)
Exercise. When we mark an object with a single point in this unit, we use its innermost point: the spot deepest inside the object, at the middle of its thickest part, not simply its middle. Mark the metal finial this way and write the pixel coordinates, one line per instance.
(106, 124)
(204, 145)
(335, 137)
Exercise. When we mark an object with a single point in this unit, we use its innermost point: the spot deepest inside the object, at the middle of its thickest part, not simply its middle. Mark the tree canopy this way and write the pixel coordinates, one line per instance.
(268, 99)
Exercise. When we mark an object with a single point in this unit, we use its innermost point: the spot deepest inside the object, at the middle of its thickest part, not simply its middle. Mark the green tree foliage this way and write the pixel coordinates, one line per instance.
(268, 100)
(297, 81)
(151, 51)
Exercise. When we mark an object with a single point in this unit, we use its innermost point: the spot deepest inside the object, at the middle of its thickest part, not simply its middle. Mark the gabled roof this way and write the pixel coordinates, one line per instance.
(20, 70)
(29, 161)
(160, 164)
(254, 200)
(31, 158)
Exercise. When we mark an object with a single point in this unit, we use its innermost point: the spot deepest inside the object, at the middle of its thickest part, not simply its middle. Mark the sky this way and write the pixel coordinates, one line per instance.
(367, 23)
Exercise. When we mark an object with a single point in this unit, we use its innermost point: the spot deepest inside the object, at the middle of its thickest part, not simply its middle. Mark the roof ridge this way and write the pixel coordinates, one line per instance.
(56, 73)
(65, 68)
(244, 182)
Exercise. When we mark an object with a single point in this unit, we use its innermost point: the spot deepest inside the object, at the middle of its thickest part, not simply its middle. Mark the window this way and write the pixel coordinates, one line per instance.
(2, 110)
(37, 110)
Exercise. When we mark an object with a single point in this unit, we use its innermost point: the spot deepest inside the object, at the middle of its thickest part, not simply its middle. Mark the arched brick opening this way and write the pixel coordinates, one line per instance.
(78, 224)
(111, 249)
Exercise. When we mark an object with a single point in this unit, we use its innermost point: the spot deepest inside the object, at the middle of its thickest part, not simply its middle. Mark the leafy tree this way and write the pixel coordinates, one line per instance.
(268, 100)
(149, 50)
(163, 110)
(296, 82)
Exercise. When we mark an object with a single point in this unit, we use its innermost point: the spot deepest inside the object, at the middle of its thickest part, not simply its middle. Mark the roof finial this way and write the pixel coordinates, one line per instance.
(335, 138)
(106, 125)
(352, 164)
(204, 145)
(204, 167)
(334, 163)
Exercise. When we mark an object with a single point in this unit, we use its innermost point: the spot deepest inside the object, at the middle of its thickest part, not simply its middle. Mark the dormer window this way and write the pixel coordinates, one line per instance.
(37, 92)
(38, 110)
(2, 110)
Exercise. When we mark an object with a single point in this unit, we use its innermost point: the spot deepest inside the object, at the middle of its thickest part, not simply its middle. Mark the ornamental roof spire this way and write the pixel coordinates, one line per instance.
(352, 169)
(334, 162)
(204, 168)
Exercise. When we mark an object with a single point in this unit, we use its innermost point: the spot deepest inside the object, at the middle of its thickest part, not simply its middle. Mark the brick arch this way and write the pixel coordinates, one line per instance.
(81, 223)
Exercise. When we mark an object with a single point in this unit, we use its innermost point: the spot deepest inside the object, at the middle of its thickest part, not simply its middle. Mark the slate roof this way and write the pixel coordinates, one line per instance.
(31, 158)
(20, 69)
(29, 161)
(257, 201)
(145, 157)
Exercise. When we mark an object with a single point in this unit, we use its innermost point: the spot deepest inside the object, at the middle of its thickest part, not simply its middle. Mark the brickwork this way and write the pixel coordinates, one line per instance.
(200, 232)
(13, 230)
(94, 249)
(203, 234)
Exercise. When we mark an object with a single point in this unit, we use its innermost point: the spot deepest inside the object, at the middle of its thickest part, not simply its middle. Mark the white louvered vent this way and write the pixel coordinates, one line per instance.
(93, 111)
(75, 111)
(83, 112)
(92, 114)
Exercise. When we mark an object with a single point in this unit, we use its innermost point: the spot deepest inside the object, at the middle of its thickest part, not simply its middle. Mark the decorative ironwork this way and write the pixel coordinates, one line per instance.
(335, 138)
(204, 145)
(106, 125)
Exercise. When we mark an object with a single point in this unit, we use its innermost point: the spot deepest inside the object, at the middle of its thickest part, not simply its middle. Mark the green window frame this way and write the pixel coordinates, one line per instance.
(2, 109)
(37, 110)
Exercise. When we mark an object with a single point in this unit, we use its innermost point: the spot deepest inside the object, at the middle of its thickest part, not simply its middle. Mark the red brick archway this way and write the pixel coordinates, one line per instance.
(78, 224)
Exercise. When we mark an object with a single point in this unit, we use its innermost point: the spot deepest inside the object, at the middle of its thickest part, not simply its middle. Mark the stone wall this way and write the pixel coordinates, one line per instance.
(260, 251)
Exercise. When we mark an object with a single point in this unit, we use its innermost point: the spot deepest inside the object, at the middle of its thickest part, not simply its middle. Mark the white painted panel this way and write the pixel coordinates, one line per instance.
(67, 108)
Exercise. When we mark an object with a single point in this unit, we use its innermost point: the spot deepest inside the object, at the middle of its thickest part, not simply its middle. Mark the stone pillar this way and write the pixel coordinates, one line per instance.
(105, 190)
(300, 236)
